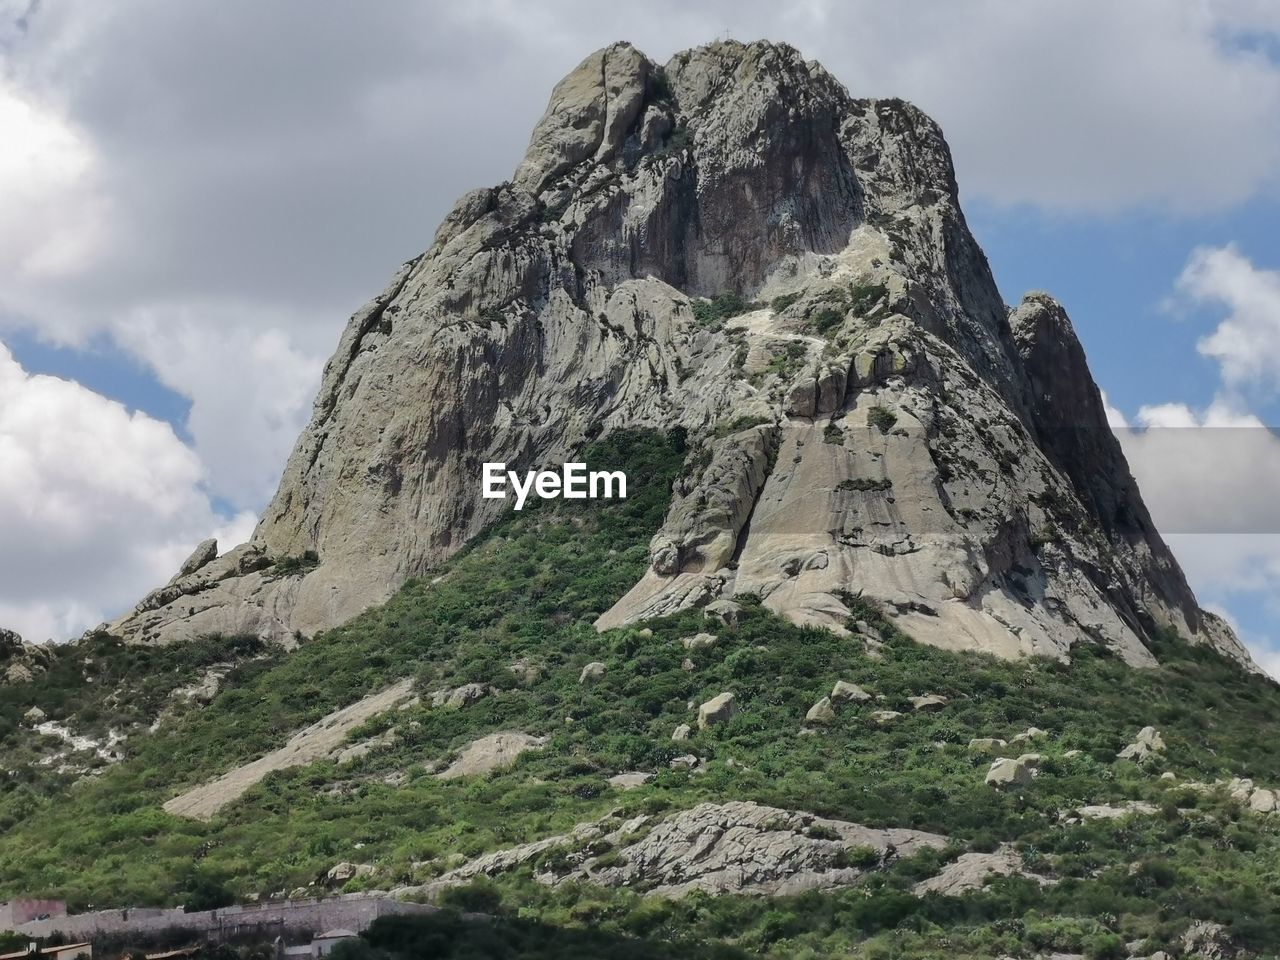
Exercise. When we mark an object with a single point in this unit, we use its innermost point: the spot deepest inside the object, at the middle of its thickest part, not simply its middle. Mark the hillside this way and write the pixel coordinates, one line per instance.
(526, 594)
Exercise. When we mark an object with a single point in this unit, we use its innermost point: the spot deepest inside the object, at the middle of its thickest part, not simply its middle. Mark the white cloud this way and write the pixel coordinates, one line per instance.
(1079, 106)
(97, 504)
(251, 387)
(51, 218)
(1246, 344)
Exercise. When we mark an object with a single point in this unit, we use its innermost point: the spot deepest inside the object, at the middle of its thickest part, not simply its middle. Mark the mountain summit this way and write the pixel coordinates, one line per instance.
(733, 245)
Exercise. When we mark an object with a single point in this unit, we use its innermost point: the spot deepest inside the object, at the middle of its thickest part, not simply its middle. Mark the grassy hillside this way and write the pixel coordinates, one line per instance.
(529, 590)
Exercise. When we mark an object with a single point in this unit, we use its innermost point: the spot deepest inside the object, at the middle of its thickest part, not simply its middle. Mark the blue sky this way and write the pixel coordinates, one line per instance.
(195, 207)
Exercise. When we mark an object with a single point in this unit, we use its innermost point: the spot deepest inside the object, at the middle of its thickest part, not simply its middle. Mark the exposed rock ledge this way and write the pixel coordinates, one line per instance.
(735, 847)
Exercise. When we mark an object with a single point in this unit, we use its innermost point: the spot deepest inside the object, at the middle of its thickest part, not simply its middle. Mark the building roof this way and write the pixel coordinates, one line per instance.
(337, 934)
(66, 946)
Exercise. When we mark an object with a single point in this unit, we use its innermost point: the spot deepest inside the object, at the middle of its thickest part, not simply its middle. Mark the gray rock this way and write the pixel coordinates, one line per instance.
(844, 692)
(725, 610)
(681, 732)
(201, 556)
(459, 697)
(1027, 735)
(630, 780)
(592, 671)
(1007, 772)
(730, 848)
(1106, 811)
(883, 717)
(34, 715)
(495, 751)
(1209, 940)
(929, 703)
(342, 872)
(717, 710)
(821, 712)
(1148, 742)
(1262, 800)
(699, 641)
(971, 871)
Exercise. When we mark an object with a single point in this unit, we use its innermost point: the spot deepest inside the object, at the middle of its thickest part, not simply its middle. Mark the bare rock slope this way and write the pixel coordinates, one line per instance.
(876, 422)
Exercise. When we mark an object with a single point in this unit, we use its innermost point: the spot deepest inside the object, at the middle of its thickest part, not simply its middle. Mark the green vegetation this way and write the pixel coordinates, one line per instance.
(858, 300)
(292, 566)
(826, 320)
(832, 433)
(727, 428)
(530, 589)
(864, 296)
(881, 418)
(713, 313)
(787, 362)
(781, 303)
(865, 484)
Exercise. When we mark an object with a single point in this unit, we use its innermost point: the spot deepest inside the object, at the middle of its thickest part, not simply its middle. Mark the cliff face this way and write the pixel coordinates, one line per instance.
(870, 420)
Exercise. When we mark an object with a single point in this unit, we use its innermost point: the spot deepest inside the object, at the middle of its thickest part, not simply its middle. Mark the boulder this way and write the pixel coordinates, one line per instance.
(459, 697)
(821, 712)
(681, 732)
(1031, 733)
(526, 671)
(717, 710)
(726, 611)
(1007, 772)
(1262, 800)
(685, 762)
(1148, 742)
(1108, 811)
(592, 671)
(1240, 789)
(928, 703)
(34, 715)
(699, 641)
(687, 665)
(883, 717)
(1207, 940)
(844, 692)
(201, 556)
(630, 780)
(1031, 760)
(342, 872)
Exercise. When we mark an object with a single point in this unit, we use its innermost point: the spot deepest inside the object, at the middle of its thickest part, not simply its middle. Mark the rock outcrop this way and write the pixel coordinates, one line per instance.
(496, 751)
(21, 662)
(876, 423)
(737, 847)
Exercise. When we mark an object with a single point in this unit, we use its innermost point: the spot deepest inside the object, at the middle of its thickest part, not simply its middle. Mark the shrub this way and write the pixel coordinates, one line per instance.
(882, 418)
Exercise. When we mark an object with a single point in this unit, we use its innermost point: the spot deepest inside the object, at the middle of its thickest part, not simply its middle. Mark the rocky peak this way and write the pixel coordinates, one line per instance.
(898, 433)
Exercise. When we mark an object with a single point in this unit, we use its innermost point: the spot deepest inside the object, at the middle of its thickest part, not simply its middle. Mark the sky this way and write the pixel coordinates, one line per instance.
(194, 197)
